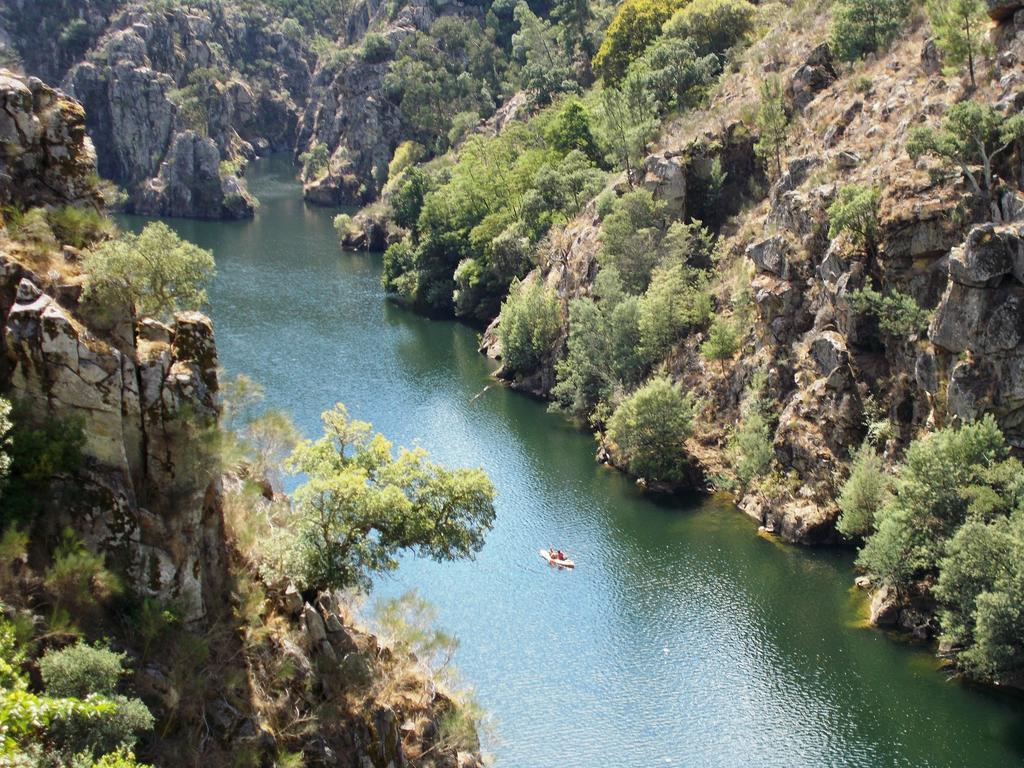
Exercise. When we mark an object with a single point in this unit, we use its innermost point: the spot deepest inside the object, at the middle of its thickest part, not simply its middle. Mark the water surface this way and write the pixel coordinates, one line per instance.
(682, 638)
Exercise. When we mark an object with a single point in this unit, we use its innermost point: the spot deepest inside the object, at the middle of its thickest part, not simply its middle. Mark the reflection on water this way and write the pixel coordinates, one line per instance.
(681, 638)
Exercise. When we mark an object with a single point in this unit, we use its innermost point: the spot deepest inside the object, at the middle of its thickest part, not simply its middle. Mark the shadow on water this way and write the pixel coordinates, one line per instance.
(682, 637)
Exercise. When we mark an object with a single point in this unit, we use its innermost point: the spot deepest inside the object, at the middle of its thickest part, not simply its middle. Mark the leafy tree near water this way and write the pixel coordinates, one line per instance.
(156, 272)
(648, 430)
(530, 324)
(361, 505)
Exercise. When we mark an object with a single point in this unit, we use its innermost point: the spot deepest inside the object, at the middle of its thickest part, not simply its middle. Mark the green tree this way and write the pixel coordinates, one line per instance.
(860, 27)
(648, 430)
(584, 376)
(712, 26)
(723, 340)
(407, 200)
(80, 670)
(156, 272)
(945, 478)
(361, 505)
(750, 445)
(546, 70)
(635, 26)
(855, 211)
(971, 134)
(863, 494)
(898, 314)
(772, 122)
(570, 130)
(631, 236)
(961, 30)
(628, 120)
(530, 323)
(676, 302)
(672, 73)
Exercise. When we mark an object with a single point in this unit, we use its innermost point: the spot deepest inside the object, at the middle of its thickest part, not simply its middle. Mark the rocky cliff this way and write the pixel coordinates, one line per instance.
(831, 367)
(144, 391)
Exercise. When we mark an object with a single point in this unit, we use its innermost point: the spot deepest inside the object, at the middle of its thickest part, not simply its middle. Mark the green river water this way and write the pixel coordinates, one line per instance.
(681, 639)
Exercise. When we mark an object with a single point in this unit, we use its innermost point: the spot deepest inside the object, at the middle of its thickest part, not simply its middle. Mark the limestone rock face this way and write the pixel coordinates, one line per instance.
(814, 76)
(46, 156)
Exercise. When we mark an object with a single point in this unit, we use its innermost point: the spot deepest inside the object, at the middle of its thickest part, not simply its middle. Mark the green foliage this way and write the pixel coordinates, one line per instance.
(79, 580)
(408, 622)
(571, 130)
(81, 669)
(156, 272)
(860, 27)
(676, 303)
(971, 134)
(946, 479)
(855, 211)
(628, 120)
(37, 453)
(79, 227)
(376, 47)
(864, 493)
(117, 726)
(672, 74)
(635, 26)
(712, 26)
(648, 429)
(631, 236)
(530, 323)
(981, 594)
(546, 69)
(898, 314)
(407, 154)
(361, 505)
(723, 340)
(407, 199)
(315, 161)
(961, 30)
(750, 445)
(772, 123)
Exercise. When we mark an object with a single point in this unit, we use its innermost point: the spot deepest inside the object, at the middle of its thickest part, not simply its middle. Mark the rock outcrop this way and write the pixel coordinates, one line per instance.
(46, 156)
(142, 391)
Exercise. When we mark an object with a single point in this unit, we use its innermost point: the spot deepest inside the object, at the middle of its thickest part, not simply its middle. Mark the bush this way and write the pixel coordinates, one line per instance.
(315, 161)
(37, 453)
(530, 323)
(860, 27)
(462, 124)
(676, 302)
(863, 493)
(79, 227)
(723, 340)
(648, 430)
(376, 47)
(571, 130)
(117, 726)
(712, 26)
(635, 26)
(79, 580)
(630, 238)
(407, 154)
(855, 211)
(80, 670)
(156, 272)
(750, 447)
(898, 314)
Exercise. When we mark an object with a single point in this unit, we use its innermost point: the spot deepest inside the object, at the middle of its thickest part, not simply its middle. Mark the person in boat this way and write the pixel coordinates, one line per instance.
(560, 555)
(552, 555)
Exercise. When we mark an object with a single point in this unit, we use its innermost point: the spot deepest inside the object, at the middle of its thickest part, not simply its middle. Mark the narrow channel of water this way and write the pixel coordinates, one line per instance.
(682, 638)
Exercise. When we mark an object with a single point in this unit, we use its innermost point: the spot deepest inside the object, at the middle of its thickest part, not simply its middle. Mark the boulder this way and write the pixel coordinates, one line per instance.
(769, 256)
(316, 631)
(815, 75)
(885, 607)
(931, 58)
(828, 349)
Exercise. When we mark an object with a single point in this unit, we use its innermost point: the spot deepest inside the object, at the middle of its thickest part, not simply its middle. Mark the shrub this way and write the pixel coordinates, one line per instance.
(156, 272)
(635, 26)
(117, 726)
(676, 302)
(315, 161)
(863, 493)
(772, 123)
(648, 430)
(462, 124)
(898, 314)
(571, 130)
(712, 26)
(407, 154)
(630, 238)
(342, 225)
(855, 211)
(860, 27)
(292, 30)
(80, 670)
(38, 452)
(750, 447)
(80, 227)
(376, 47)
(723, 340)
(530, 323)
(79, 580)
(407, 199)
(961, 30)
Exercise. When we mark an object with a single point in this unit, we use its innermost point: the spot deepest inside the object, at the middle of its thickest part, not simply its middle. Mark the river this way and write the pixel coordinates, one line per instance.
(681, 639)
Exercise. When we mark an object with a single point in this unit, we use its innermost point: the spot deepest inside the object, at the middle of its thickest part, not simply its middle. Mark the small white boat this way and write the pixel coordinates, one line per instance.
(555, 561)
